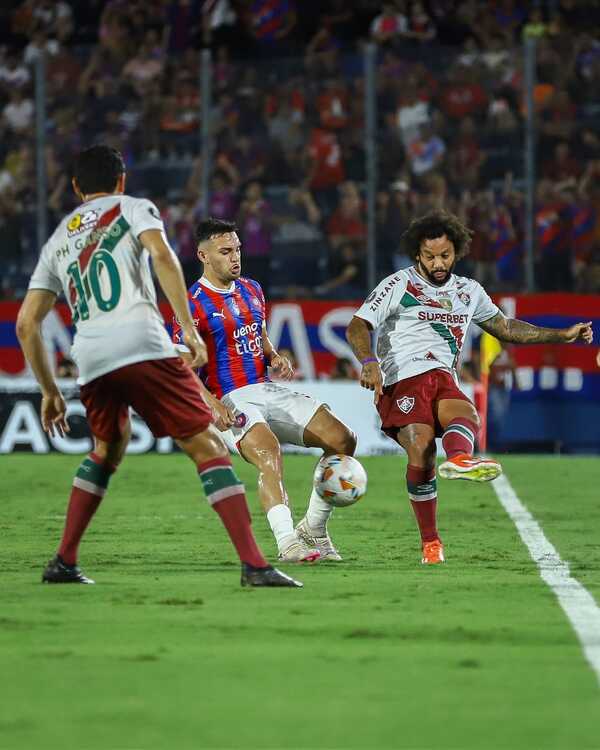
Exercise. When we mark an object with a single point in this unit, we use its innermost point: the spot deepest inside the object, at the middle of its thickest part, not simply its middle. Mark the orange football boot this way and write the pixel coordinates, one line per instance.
(433, 552)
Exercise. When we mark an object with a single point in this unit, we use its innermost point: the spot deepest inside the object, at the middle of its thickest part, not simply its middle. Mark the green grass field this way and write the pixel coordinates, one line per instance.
(167, 651)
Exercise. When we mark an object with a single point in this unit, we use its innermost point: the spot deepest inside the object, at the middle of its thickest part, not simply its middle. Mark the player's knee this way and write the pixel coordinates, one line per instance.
(344, 442)
(421, 448)
(267, 457)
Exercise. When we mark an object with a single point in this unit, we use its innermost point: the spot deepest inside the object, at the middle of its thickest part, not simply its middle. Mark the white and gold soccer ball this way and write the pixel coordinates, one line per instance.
(340, 480)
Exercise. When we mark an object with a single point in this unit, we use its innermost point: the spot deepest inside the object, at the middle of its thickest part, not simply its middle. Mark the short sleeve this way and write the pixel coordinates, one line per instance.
(486, 308)
(145, 215)
(44, 276)
(383, 300)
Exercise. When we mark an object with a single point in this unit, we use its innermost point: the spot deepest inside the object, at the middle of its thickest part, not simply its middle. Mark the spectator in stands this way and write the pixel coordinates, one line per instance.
(426, 152)
(536, 27)
(255, 224)
(557, 119)
(324, 167)
(180, 118)
(143, 69)
(17, 115)
(553, 229)
(40, 44)
(420, 26)
(333, 105)
(466, 156)
(300, 219)
(347, 223)
(563, 166)
(347, 273)
(322, 55)
(390, 25)
(395, 209)
(247, 156)
(13, 74)
(463, 95)
(413, 111)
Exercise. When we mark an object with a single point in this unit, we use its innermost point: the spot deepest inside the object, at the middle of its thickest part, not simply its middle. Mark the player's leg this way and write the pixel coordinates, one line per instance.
(460, 422)
(329, 433)
(260, 447)
(418, 440)
(110, 418)
(226, 495)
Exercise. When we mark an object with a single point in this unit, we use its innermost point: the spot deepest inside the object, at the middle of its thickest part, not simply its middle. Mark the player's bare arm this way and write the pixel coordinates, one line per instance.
(519, 332)
(359, 337)
(281, 365)
(170, 277)
(36, 305)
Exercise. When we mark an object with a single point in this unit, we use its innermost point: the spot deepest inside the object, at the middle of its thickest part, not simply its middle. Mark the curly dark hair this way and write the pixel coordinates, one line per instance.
(211, 227)
(435, 224)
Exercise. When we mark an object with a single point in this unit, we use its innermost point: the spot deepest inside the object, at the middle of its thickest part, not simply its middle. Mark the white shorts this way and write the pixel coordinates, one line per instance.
(285, 411)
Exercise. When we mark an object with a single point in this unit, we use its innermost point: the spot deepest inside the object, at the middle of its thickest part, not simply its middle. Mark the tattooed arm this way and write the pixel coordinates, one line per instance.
(518, 332)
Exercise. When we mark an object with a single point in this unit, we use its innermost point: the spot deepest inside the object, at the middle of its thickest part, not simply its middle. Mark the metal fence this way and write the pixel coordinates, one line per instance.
(324, 159)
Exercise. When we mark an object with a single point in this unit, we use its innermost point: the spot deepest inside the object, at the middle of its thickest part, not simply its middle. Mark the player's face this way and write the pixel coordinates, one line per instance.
(436, 260)
(222, 257)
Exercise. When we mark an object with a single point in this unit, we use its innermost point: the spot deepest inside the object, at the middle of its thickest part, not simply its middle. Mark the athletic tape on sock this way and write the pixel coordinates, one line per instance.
(219, 481)
(93, 477)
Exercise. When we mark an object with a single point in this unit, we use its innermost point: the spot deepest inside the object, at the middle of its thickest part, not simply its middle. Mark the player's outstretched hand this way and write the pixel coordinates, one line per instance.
(224, 416)
(579, 332)
(54, 414)
(282, 367)
(197, 347)
(370, 377)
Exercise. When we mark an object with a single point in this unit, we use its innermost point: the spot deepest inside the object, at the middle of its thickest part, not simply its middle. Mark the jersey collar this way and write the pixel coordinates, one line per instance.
(205, 282)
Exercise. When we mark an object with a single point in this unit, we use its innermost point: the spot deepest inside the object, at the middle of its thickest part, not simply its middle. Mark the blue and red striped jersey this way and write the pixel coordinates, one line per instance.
(231, 323)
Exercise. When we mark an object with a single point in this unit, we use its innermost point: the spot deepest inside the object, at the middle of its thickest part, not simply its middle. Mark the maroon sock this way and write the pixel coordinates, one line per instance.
(89, 487)
(459, 437)
(226, 494)
(422, 491)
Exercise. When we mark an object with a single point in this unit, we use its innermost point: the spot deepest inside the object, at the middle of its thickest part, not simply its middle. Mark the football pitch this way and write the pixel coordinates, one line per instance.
(168, 651)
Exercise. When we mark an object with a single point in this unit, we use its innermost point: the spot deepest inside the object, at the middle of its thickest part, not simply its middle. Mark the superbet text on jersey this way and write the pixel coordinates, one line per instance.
(231, 323)
(422, 326)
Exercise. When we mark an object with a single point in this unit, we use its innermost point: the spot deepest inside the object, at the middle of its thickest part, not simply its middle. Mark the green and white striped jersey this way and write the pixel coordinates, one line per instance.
(420, 326)
(95, 257)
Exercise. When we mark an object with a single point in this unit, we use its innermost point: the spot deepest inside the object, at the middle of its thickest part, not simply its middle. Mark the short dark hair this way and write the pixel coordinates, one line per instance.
(435, 224)
(211, 227)
(97, 169)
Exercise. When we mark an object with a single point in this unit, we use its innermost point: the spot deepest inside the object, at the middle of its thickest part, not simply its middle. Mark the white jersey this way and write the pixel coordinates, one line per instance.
(95, 257)
(421, 326)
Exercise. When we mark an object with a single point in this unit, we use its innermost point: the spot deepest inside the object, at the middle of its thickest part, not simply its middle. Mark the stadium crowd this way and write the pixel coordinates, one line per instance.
(288, 126)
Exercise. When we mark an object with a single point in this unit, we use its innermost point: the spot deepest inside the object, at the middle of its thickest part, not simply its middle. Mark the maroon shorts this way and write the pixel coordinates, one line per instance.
(164, 392)
(415, 400)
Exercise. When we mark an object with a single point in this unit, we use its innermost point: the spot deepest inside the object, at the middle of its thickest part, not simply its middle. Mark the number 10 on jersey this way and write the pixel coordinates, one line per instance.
(84, 286)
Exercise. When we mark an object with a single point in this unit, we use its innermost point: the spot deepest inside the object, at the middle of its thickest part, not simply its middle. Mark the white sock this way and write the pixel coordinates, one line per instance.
(318, 513)
(282, 525)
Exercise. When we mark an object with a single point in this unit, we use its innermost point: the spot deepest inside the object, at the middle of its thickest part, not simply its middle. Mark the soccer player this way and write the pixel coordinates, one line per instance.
(98, 256)
(421, 315)
(229, 313)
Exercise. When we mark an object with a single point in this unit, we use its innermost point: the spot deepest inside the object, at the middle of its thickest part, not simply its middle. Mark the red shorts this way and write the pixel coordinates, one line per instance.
(415, 400)
(164, 392)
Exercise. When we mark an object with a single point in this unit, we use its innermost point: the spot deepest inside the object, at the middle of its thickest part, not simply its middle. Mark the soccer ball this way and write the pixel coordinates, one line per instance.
(340, 480)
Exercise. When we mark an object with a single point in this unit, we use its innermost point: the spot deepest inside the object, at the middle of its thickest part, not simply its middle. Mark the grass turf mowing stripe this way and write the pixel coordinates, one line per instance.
(578, 604)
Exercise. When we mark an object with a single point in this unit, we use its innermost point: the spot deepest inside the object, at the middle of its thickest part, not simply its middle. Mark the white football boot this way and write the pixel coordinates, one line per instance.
(298, 551)
(322, 543)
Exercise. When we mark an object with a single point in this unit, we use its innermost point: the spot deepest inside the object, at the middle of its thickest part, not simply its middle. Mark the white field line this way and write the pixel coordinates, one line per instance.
(578, 604)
